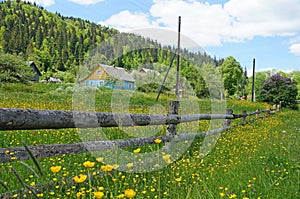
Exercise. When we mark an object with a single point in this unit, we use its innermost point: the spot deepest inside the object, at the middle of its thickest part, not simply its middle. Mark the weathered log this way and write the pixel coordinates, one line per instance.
(235, 116)
(42, 151)
(227, 121)
(172, 128)
(27, 119)
(173, 110)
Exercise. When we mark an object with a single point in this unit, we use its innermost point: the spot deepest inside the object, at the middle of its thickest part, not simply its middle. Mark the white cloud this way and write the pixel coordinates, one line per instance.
(86, 2)
(295, 40)
(43, 2)
(263, 18)
(126, 21)
(295, 49)
(214, 24)
(199, 21)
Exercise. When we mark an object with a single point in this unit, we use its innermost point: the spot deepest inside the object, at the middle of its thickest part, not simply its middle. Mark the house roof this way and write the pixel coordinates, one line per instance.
(147, 71)
(115, 72)
(34, 67)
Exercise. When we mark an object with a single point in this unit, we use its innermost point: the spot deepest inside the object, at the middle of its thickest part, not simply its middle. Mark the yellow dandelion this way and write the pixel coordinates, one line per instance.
(89, 164)
(129, 193)
(120, 196)
(81, 178)
(100, 159)
(222, 194)
(178, 179)
(129, 165)
(98, 194)
(157, 141)
(167, 158)
(107, 168)
(55, 169)
(80, 194)
(137, 150)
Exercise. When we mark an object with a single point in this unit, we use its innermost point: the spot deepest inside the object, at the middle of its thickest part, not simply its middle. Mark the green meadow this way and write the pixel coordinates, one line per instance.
(258, 159)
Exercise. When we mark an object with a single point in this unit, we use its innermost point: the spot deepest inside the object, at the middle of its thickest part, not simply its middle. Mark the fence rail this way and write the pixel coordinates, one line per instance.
(29, 119)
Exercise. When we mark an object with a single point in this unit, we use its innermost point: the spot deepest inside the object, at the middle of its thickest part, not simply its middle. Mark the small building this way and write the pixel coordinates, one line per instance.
(146, 71)
(36, 71)
(110, 77)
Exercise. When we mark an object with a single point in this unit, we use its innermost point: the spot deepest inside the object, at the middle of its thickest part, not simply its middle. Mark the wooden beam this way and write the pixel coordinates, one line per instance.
(28, 119)
(42, 151)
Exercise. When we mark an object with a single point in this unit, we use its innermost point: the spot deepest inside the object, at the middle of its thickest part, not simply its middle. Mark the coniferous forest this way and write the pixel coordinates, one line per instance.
(59, 45)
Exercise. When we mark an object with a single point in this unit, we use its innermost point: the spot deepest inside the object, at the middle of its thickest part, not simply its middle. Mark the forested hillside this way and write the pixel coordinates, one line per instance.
(56, 42)
(60, 44)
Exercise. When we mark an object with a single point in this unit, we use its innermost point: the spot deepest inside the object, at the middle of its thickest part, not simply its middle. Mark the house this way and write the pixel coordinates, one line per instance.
(36, 71)
(146, 71)
(110, 77)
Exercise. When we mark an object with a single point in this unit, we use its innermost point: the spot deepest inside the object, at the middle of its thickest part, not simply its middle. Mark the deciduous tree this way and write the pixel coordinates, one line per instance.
(231, 71)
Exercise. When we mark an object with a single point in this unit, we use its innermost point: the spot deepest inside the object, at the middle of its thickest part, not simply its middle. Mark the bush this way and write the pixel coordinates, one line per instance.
(152, 87)
(13, 69)
(278, 89)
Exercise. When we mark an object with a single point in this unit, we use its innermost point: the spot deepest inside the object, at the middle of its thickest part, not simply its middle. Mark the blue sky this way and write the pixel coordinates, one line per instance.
(267, 30)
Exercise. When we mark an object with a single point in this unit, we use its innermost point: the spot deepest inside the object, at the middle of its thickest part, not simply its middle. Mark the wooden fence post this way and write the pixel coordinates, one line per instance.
(228, 121)
(268, 111)
(258, 113)
(278, 107)
(244, 113)
(171, 128)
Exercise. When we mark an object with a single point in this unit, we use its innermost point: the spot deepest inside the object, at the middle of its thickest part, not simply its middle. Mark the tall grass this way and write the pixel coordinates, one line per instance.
(257, 160)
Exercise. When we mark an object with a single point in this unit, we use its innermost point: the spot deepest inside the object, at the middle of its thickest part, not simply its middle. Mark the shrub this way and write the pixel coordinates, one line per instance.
(278, 89)
(14, 70)
(152, 87)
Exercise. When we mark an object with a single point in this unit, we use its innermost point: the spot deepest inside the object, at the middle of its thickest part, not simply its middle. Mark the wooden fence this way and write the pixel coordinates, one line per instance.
(28, 119)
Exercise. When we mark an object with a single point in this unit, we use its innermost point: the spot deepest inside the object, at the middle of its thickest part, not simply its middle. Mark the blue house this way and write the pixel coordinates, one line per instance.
(110, 77)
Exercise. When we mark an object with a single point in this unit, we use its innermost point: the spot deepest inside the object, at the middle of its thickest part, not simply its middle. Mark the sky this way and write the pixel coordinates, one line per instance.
(267, 30)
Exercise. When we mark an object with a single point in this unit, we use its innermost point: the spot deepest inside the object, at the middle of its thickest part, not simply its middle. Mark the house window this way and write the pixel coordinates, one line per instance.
(101, 84)
(129, 85)
(99, 73)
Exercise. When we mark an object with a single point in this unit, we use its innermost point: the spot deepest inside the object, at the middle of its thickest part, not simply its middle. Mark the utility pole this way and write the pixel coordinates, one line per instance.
(178, 58)
(221, 89)
(253, 79)
(177, 71)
